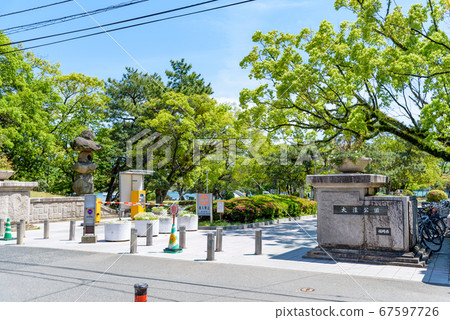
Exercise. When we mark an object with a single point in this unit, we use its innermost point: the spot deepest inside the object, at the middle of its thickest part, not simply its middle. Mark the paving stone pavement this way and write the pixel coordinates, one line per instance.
(284, 245)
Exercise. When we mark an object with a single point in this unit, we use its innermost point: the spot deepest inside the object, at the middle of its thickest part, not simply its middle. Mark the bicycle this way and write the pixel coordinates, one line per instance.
(432, 228)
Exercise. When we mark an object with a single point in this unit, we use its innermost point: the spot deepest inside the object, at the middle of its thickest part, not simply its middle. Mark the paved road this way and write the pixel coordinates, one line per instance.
(45, 274)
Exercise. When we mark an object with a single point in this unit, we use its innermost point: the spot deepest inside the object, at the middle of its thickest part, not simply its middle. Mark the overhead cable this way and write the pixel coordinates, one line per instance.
(44, 23)
(131, 26)
(108, 24)
(35, 8)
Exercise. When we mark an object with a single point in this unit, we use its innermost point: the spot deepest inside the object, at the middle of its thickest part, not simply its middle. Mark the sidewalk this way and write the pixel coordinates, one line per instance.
(283, 247)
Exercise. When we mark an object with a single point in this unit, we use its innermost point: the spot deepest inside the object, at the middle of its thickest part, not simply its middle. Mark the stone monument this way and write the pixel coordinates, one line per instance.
(85, 166)
(84, 185)
(355, 225)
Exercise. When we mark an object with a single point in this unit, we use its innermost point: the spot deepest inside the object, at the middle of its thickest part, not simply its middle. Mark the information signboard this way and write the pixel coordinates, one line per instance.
(204, 204)
(90, 200)
(220, 207)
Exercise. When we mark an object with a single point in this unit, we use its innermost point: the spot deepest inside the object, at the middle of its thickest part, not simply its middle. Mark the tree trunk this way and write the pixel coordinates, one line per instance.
(113, 182)
(180, 191)
(111, 187)
(160, 195)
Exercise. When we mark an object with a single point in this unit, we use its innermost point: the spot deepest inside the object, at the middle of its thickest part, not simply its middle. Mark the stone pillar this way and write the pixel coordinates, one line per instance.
(15, 200)
(350, 217)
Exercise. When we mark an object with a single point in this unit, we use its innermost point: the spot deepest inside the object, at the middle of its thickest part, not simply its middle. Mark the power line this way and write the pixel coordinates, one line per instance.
(44, 23)
(35, 8)
(109, 24)
(132, 26)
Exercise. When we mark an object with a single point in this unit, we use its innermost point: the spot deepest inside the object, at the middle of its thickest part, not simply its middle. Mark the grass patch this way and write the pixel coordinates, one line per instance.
(37, 194)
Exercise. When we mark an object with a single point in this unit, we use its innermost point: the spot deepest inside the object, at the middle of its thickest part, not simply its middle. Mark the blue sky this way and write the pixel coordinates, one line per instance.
(213, 42)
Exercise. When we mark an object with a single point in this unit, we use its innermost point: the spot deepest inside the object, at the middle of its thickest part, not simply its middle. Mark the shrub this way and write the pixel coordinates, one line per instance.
(436, 196)
(180, 202)
(159, 209)
(146, 216)
(408, 193)
(186, 202)
(186, 214)
(262, 207)
(5, 164)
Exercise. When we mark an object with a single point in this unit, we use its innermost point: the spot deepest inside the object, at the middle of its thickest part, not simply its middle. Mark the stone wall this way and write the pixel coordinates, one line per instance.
(56, 208)
(64, 208)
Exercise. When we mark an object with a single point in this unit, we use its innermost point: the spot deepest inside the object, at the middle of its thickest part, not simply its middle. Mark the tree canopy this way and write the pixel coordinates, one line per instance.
(387, 71)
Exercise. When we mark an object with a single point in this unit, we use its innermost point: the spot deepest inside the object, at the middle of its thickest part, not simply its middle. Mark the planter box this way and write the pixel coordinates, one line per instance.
(165, 224)
(191, 223)
(141, 226)
(5, 174)
(117, 231)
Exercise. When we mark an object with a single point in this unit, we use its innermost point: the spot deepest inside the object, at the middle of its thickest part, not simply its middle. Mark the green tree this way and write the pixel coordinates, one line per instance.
(406, 166)
(185, 121)
(388, 71)
(179, 111)
(41, 111)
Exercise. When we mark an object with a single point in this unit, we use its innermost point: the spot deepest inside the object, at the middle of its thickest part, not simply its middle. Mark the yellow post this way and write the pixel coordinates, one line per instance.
(137, 196)
(98, 210)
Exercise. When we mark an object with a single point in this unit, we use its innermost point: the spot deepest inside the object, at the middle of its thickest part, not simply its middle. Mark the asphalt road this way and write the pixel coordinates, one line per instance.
(41, 274)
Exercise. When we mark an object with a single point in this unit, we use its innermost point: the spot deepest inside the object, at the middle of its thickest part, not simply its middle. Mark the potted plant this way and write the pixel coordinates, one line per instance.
(189, 220)
(6, 168)
(142, 219)
(347, 156)
(159, 210)
(117, 230)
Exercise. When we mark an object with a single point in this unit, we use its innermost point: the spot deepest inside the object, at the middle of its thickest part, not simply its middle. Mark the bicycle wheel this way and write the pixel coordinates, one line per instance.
(431, 237)
(440, 222)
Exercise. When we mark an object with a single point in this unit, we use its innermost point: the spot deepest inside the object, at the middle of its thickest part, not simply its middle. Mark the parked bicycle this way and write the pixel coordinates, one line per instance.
(432, 228)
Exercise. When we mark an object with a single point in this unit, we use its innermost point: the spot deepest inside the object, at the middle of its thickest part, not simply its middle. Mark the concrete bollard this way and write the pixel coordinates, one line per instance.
(210, 247)
(219, 232)
(258, 241)
(149, 241)
(22, 223)
(72, 230)
(46, 229)
(182, 237)
(2, 228)
(19, 233)
(133, 241)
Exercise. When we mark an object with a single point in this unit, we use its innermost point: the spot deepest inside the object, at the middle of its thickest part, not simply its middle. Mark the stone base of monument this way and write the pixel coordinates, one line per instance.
(416, 258)
(356, 225)
(89, 238)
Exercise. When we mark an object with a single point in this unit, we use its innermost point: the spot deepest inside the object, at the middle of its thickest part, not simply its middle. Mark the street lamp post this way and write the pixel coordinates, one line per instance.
(315, 172)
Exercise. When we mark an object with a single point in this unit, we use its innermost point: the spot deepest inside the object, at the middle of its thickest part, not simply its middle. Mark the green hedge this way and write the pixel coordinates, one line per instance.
(181, 202)
(249, 209)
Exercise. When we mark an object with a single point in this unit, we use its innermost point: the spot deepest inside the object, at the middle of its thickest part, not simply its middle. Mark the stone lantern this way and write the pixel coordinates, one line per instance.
(85, 165)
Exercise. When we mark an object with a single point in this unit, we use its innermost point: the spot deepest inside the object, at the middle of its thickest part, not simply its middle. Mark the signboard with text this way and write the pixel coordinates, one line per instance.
(204, 204)
(371, 210)
(90, 200)
(174, 209)
(220, 207)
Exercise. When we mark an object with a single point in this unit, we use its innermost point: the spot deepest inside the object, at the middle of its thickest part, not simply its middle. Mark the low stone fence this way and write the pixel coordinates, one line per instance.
(63, 208)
